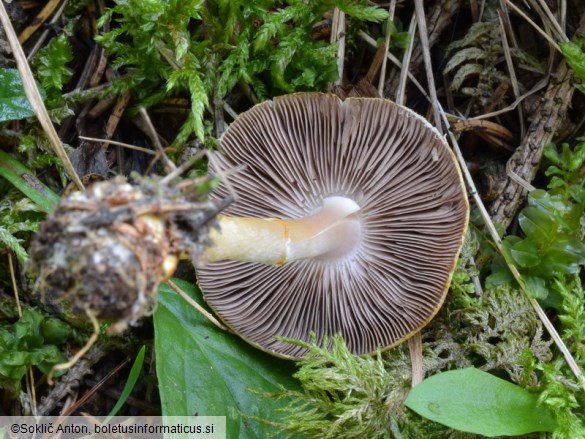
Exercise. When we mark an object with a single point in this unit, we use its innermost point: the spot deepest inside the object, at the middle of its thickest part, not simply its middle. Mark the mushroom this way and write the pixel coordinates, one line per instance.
(349, 219)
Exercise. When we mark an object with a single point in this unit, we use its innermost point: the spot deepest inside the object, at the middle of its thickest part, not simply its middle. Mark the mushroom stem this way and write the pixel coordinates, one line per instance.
(330, 233)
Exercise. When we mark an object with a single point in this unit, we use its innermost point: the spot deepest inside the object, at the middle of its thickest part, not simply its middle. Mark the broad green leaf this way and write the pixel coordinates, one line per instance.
(503, 276)
(563, 256)
(535, 287)
(578, 194)
(206, 371)
(14, 104)
(476, 402)
(24, 180)
(545, 200)
(500, 272)
(536, 223)
(525, 253)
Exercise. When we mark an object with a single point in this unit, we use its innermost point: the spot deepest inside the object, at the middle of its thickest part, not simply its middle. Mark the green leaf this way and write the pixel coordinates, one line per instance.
(563, 256)
(25, 181)
(537, 223)
(501, 276)
(545, 200)
(22, 344)
(525, 253)
(551, 153)
(14, 104)
(576, 59)
(578, 194)
(577, 157)
(476, 402)
(55, 331)
(206, 371)
(130, 383)
(535, 287)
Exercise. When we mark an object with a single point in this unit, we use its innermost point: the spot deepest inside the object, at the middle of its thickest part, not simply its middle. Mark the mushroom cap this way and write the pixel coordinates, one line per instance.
(302, 148)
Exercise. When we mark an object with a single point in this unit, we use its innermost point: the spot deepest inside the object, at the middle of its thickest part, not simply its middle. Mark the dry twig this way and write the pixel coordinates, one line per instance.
(526, 159)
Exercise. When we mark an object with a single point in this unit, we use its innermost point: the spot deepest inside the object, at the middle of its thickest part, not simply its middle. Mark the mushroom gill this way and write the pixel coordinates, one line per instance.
(392, 277)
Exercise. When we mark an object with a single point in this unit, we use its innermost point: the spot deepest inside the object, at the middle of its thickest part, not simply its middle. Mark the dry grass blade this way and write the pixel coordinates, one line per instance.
(548, 17)
(122, 144)
(497, 240)
(368, 39)
(416, 358)
(151, 131)
(35, 99)
(405, 65)
(29, 377)
(511, 174)
(511, 71)
(198, 307)
(69, 411)
(539, 86)
(546, 36)
(423, 34)
(563, 15)
(338, 35)
(382, 80)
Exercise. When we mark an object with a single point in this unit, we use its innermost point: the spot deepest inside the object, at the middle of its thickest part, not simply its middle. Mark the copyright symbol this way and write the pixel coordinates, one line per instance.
(14, 428)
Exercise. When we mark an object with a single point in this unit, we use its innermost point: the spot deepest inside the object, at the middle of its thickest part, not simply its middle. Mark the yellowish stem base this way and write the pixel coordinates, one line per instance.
(331, 233)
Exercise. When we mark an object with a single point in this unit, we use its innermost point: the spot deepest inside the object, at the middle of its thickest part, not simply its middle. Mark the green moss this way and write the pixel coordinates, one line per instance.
(206, 48)
(345, 396)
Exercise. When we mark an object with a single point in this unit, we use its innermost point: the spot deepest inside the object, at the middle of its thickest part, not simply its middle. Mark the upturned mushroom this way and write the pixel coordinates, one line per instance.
(349, 219)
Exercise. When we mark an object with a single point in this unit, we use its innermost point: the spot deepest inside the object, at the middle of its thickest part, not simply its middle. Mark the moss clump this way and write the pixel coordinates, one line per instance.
(345, 396)
(492, 332)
